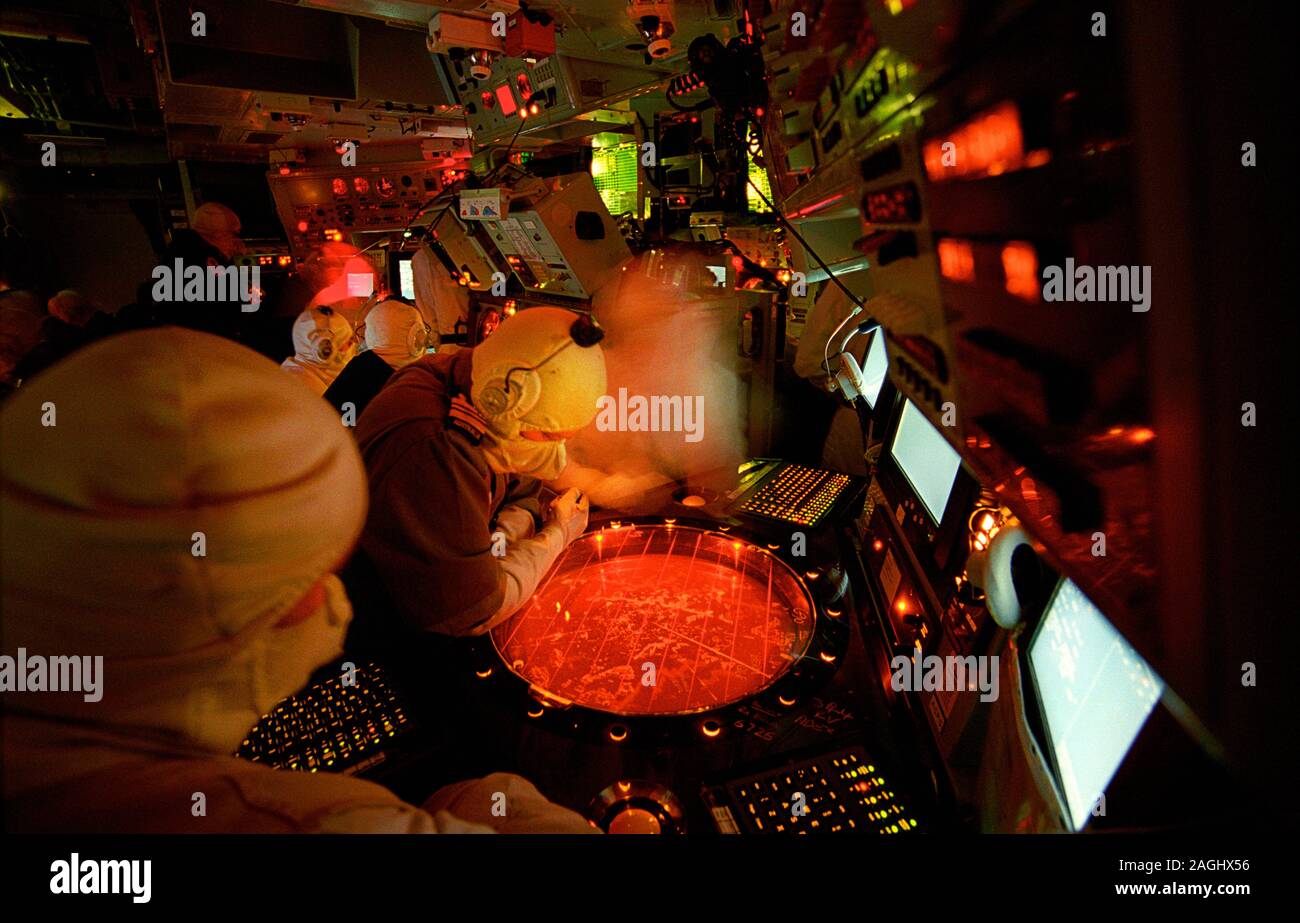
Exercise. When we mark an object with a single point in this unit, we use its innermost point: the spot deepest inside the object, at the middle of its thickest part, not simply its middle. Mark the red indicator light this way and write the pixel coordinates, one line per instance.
(284, 171)
(361, 184)
(1020, 266)
(507, 99)
(956, 260)
(339, 186)
(302, 227)
(894, 205)
(990, 144)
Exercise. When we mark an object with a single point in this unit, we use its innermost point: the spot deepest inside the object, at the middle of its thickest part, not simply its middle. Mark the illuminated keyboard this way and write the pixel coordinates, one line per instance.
(839, 792)
(330, 727)
(797, 494)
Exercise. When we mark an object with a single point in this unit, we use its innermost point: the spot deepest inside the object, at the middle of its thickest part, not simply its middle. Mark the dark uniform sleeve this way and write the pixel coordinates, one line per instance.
(526, 493)
(427, 532)
(359, 382)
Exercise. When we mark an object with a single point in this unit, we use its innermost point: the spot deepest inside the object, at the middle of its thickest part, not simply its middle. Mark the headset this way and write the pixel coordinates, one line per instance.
(321, 337)
(498, 399)
(418, 339)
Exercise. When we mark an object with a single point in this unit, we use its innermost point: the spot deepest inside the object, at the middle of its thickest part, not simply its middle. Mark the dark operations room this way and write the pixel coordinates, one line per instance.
(673, 417)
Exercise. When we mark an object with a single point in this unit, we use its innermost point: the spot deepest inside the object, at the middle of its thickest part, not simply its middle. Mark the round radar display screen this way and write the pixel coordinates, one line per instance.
(659, 620)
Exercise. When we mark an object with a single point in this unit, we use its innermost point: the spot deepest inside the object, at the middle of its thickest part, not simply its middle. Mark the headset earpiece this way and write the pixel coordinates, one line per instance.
(321, 339)
(417, 339)
(493, 401)
(511, 397)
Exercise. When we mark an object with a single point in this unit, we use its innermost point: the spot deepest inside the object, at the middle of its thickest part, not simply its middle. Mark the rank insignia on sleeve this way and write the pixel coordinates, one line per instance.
(465, 418)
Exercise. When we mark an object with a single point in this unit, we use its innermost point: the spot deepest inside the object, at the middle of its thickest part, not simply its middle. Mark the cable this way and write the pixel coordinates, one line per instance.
(420, 211)
(510, 147)
(826, 359)
(859, 307)
(799, 237)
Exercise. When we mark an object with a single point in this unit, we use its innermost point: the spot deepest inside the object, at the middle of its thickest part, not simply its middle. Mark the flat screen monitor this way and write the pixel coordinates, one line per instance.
(405, 277)
(1094, 692)
(875, 368)
(926, 459)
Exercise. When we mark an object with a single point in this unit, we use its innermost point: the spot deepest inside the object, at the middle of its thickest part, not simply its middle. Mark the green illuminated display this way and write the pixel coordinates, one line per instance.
(614, 171)
(758, 176)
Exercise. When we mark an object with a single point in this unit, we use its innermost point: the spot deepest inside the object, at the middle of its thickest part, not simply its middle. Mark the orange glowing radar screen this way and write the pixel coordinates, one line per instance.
(654, 620)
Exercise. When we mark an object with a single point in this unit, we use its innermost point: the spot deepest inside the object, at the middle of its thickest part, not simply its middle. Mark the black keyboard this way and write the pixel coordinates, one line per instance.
(330, 727)
(797, 494)
(843, 791)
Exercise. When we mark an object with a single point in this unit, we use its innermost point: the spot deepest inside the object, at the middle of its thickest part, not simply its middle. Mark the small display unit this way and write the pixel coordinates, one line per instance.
(915, 541)
(402, 276)
(1094, 695)
(926, 460)
(875, 371)
(929, 491)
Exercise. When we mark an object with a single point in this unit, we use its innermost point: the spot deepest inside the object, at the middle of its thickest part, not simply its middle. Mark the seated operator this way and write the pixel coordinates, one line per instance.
(452, 446)
(162, 437)
(323, 344)
(395, 335)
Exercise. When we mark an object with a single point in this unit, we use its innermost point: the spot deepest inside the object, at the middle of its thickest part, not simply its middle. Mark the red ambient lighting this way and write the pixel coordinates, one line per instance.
(987, 145)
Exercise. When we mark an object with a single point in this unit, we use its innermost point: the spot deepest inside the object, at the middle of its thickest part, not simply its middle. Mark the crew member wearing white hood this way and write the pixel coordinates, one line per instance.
(452, 446)
(442, 302)
(182, 517)
(395, 335)
(323, 343)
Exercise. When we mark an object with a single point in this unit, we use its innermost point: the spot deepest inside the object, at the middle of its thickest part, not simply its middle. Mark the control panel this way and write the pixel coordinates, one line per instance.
(560, 240)
(892, 202)
(317, 205)
(546, 93)
(518, 90)
(843, 791)
(928, 606)
(765, 245)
